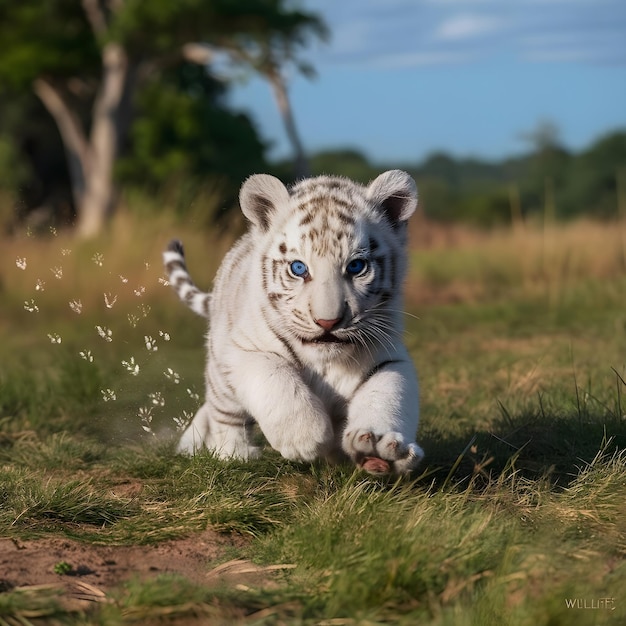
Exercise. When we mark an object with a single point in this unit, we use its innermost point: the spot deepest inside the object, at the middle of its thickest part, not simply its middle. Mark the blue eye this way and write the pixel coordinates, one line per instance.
(356, 267)
(299, 269)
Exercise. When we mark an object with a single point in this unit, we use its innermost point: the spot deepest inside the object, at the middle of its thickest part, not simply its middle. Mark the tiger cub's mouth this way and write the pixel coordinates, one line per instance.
(326, 337)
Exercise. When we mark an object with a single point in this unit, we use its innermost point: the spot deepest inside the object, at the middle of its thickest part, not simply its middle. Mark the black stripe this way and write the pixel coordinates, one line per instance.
(334, 184)
(345, 218)
(190, 296)
(300, 316)
(394, 269)
(216, 393)
(229, 386)
(175, 264)
(375, 371)
(182, 280)
(211, 351)
(264, 268)
(276, 267)
(176, 246)
(274, 298)
(216, 387)
(236, 417)
(314, 234)
(338, 202)
(382, 266)
(248, 350)
(287, 347)
(307, 219)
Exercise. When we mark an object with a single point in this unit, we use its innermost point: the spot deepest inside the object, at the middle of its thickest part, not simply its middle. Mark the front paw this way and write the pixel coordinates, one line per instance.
(305, 443)
(381, 454)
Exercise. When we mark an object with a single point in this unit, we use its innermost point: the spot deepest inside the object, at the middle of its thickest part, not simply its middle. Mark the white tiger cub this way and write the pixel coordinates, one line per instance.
(306, 327)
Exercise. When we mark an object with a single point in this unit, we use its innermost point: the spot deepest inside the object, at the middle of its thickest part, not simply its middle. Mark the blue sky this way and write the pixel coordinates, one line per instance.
(400, 79)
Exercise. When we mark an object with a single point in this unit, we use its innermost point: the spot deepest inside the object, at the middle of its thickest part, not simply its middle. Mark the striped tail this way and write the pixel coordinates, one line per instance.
(179, 278)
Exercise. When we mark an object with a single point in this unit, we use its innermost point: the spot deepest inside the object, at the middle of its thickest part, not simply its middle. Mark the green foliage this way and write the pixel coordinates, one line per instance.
(33, 172)
(32, 504)
(185, 138)
(549, 181)
(593, 181)
(349, 163)
(45, 38)
(21, 605)
(64, 44)
(63, 568)
(44, 401)
(156, 28)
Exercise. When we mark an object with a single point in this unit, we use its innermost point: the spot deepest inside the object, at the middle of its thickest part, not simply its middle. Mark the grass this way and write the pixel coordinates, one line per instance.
(518, 511)
(546, 263)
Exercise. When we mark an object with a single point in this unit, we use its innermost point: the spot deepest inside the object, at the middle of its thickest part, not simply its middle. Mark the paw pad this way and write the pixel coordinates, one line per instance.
(381, 454)
(374, 465)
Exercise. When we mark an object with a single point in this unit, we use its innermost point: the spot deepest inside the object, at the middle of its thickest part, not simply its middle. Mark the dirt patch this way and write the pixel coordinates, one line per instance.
(27, 563)
(32, 567)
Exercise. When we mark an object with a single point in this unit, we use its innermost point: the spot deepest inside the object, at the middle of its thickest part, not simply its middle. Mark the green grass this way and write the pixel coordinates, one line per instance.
(519, 508)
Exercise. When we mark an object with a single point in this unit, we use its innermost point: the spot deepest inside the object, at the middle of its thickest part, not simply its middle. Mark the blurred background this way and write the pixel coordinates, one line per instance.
(503, 112)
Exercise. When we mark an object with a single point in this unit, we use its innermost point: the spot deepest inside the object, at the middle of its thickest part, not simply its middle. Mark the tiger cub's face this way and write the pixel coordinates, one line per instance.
(334, 256)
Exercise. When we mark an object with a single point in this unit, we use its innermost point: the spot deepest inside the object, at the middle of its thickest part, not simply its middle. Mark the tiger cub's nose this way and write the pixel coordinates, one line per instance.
(328, 325)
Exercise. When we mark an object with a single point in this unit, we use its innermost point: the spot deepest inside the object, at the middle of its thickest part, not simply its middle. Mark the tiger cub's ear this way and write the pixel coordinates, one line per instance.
(395, 194)
(262, 196)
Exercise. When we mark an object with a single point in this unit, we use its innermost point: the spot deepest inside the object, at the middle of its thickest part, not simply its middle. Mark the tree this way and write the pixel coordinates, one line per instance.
(85, 62)
(270, 55)
(549, 168)
(182, 131)
(347, 162)
(597, 174)
(33, 173)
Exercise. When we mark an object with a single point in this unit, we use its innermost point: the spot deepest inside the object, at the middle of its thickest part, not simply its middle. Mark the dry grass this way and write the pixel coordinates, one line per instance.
(448, 263)
(130, 250)
(458, 264)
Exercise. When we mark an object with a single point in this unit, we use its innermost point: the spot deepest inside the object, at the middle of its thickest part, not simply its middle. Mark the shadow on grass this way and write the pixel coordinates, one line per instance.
(537, 443)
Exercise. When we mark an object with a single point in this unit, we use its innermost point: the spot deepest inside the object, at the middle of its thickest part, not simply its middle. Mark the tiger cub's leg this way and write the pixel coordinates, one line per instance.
(228, 436)
(196, 435)
(292, 418)
(382, 421)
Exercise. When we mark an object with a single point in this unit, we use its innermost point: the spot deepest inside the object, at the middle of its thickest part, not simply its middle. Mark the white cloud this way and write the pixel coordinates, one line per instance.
(415, 59)
(405, 33)
(468, 26)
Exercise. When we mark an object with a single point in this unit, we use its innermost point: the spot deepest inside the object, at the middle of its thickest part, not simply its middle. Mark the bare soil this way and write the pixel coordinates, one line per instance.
(30, 566)
(32, 562)
(96, 569)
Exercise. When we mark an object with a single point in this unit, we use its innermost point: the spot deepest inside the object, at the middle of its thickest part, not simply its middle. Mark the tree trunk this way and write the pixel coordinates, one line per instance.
(202, 54)
(99, 195)
(72, 135)
(91, 161)
(301, 164)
